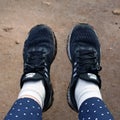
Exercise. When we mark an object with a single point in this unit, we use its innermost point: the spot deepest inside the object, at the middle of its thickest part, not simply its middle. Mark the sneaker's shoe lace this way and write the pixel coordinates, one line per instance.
(86, 61)
(36, 63)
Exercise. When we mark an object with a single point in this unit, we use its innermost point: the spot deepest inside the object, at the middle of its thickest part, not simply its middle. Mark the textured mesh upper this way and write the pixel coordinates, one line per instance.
(84, 53)
(38, 54)
(84, 36)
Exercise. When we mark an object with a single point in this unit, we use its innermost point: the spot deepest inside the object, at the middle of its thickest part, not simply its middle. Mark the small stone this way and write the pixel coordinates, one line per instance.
(110, 48)
(116, 23)
(17, 42)
(7, 29)
(116, 11)
(105, 10)
(46, 3)
(113, 85)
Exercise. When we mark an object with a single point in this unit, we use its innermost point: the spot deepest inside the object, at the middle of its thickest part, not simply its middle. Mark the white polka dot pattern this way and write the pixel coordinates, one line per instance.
(94, 109)
(28, 109)
(25, 109)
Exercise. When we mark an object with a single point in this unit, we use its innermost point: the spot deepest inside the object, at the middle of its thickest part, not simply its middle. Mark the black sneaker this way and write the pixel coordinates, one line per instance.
(84, 53)
(38, 54)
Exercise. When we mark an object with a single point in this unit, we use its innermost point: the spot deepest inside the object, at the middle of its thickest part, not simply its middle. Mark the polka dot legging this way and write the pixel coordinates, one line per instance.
(28, 109)
(94, 109)
(24, 109)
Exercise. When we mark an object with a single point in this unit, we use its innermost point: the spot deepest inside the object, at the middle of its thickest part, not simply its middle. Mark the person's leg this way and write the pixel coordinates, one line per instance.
(90, 103)
(36, 95)
(30, 102)
(25, 109)
(84, 94)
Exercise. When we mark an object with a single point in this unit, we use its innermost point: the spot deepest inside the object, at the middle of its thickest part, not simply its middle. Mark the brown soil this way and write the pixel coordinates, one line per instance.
(16, 19)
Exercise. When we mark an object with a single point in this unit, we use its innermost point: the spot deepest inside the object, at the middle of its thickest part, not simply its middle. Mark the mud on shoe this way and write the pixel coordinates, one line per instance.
(83, 50)
(38, 54)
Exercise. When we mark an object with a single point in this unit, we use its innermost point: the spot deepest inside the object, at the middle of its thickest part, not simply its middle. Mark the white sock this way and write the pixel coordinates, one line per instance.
(85, 90)
(34, 90)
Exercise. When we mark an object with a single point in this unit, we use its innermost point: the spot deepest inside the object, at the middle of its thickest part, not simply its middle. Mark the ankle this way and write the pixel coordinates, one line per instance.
(33, 90)
(85, 90)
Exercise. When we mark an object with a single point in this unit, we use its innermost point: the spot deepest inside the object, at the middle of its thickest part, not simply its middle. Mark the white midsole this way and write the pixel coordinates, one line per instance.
(68, 46)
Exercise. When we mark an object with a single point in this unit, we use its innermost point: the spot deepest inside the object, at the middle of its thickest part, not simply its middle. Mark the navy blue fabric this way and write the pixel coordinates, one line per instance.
(28, 109)
(25, 109)
(94, 109)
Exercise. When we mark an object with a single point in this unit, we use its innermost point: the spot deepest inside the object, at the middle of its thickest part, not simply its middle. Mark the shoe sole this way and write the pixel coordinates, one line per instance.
(51, 99)
(55, 44)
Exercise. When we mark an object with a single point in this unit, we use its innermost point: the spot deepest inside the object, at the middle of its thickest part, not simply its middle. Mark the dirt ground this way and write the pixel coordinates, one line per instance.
(16, 19)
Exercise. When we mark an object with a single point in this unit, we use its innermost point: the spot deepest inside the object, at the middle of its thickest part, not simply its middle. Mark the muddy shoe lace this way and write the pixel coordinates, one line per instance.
(86, 62)
(36, 63)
